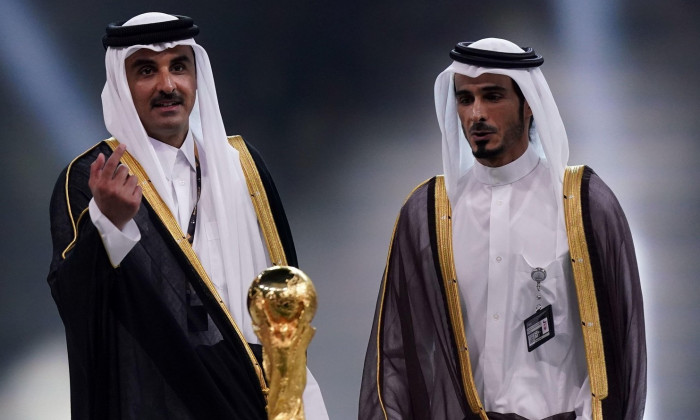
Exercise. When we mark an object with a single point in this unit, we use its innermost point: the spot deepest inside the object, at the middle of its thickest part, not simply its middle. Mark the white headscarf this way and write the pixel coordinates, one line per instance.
(224, 195)
(550, 140)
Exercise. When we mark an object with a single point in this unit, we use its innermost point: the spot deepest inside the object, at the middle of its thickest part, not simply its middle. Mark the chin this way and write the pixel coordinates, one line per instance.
(482, 152)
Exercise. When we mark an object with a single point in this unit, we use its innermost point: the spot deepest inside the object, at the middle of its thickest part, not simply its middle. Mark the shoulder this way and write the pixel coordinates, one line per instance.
(78, 170)
(71, 192)
(602, 213)
(597, 194)
(596, 187)
(246, 148)
(82, 162)
(75, 176)
(420, 199)
(420, 192)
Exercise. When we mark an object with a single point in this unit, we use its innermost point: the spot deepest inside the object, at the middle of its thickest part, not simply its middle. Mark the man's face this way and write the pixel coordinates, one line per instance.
(492, 117)
(163, 86)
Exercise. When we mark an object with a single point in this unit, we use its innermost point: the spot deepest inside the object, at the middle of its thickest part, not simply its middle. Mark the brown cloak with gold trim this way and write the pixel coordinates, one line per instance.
(149, 339)
(417, 364)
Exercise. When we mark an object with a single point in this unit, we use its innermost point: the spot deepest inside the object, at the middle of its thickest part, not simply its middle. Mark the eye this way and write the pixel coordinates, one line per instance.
(465, 100)
(178, 67)
(493, 97)
(146, 70)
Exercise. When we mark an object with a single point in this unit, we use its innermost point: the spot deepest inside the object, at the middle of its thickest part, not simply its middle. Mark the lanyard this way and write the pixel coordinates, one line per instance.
(193, 218)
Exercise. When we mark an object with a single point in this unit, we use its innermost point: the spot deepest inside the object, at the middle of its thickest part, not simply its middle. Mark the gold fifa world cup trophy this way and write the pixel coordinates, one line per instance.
(282, 303)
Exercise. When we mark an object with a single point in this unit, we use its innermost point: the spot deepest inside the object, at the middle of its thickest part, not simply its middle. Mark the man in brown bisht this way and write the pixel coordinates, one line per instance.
(511, 289)
(157, 234)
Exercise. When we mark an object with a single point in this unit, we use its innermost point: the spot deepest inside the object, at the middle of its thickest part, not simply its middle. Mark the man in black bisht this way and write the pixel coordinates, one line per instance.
(511, 289)
(157, 234)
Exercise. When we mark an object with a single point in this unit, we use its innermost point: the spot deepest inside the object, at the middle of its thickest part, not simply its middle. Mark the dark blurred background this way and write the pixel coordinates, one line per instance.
(338, 97)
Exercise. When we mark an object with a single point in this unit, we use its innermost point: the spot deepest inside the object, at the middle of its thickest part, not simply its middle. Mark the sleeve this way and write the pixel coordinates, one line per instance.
(117, 242)
(411, 366)
(618, 287)
(80, 271)
(384, 392)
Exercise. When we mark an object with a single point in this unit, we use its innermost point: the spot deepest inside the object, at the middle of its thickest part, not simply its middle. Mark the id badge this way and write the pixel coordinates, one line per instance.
(539, 328)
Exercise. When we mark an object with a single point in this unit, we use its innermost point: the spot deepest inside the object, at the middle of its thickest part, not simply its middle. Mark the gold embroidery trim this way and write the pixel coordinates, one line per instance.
(75, 232)
(74, 222)
(381, 301)
(585, 288)
(260, 202)
(443, 225)
(163, 212)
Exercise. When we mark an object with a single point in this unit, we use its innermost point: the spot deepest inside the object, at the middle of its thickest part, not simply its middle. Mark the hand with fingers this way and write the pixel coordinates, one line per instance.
(117, 194)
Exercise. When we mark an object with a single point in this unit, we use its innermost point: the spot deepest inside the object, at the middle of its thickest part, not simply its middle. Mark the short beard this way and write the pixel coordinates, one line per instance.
(510, 137)
(482, 153)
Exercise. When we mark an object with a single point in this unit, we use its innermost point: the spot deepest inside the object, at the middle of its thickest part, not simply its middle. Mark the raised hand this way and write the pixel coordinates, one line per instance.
(117, 194)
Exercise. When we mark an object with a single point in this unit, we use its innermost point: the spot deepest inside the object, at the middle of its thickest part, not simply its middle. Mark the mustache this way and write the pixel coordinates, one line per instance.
(481, 126)
(167, 97)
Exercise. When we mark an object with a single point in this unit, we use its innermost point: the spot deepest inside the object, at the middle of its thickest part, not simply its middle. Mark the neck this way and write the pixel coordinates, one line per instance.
(508, 173)
(175, 140)
(502, 158)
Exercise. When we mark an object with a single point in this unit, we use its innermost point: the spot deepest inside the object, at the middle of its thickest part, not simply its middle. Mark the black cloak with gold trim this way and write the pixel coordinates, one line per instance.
(417, 362)
(138, 348)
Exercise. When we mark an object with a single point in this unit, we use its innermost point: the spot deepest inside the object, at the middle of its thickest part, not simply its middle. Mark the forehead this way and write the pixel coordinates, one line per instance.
(482, 81)
(167, 54)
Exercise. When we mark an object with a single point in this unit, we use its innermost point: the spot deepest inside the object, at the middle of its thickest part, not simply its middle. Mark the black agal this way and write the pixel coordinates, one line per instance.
(504, 60)
(150, 33)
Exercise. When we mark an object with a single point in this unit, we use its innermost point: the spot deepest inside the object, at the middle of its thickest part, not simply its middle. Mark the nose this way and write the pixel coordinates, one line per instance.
(478, 111)
(165, 82)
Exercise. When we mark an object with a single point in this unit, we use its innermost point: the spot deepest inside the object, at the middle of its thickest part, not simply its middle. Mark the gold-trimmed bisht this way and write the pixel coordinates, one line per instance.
(163, 212)
(443, 229)
(585, 288)
(583, 278)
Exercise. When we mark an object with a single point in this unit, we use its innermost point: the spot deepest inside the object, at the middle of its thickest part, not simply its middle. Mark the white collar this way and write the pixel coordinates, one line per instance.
(507, 174)
(167, 154)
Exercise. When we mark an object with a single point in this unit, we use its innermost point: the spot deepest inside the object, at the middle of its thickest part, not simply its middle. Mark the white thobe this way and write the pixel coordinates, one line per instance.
(506, 222)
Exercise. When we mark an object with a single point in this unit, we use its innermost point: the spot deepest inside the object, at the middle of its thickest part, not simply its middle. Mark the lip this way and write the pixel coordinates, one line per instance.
(480, 135)
(166, 106)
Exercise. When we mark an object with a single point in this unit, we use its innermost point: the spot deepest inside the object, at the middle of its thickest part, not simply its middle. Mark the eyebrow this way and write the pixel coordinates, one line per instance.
(141, 62)
(149, 61)
(485, 89)
(180, 59)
